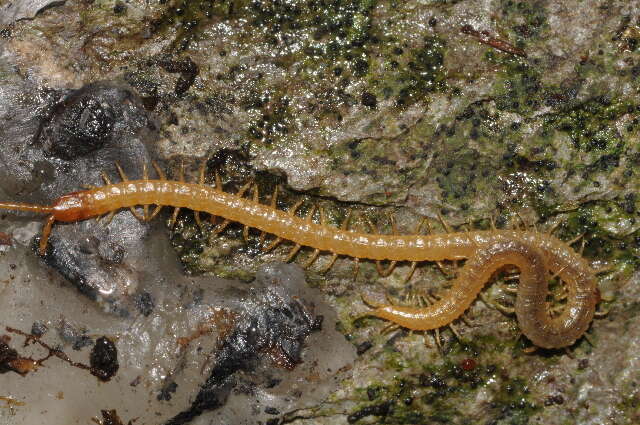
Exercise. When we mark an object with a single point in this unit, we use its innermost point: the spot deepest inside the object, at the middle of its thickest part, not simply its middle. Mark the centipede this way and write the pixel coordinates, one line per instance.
(538, 256)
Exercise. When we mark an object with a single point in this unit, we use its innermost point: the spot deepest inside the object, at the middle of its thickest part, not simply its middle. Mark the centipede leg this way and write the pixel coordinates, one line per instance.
(314, 257)
(444, 224)
(220, 228)
(356, 267)
(576, 239)
(155, 212)
(181, 171)
(145, 207)
(256, 199)
(218, 181)
(46, 232)
(161, 175)
(105, 178)
(123, 176)
(414, 265)
(391, 327)
(201, 172)
(109, 218)
(497, 306)
(332, 260)
(385, 272)
(174, 217)
(273, 244)
(196, 216)
(226, 222)
(273, 204)
(137, 215)
(293, 253)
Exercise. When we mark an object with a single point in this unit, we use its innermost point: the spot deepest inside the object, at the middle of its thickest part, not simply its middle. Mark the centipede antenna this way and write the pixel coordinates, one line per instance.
(123, 176)
(46, 232)
(34, 208)
(161, 174)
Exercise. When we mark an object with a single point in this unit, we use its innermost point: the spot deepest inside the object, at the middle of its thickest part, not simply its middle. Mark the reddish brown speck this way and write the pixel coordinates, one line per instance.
(468, 364)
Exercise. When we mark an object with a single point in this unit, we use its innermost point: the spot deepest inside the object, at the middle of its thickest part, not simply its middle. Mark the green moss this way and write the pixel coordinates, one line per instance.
(438, 392)
(518, 87)
(423, 74)
(273, 120)
(512, 402)
(590, 125)
(609, 235)
(529, 18)
(187, 18)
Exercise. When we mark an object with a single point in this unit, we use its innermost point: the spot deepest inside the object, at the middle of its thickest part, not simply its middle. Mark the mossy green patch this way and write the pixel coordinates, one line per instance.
(591, 124)
(611, 232)
(528, 19)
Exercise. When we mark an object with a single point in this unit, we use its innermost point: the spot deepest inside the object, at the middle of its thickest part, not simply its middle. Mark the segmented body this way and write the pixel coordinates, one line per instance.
(536, 255)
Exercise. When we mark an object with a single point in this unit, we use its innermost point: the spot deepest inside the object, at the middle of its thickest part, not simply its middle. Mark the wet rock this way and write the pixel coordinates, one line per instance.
(24, 9)
(56, 142)
(271, 331)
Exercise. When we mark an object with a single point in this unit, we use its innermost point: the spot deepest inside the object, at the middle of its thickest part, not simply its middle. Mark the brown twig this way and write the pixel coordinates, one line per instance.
(485, 38)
